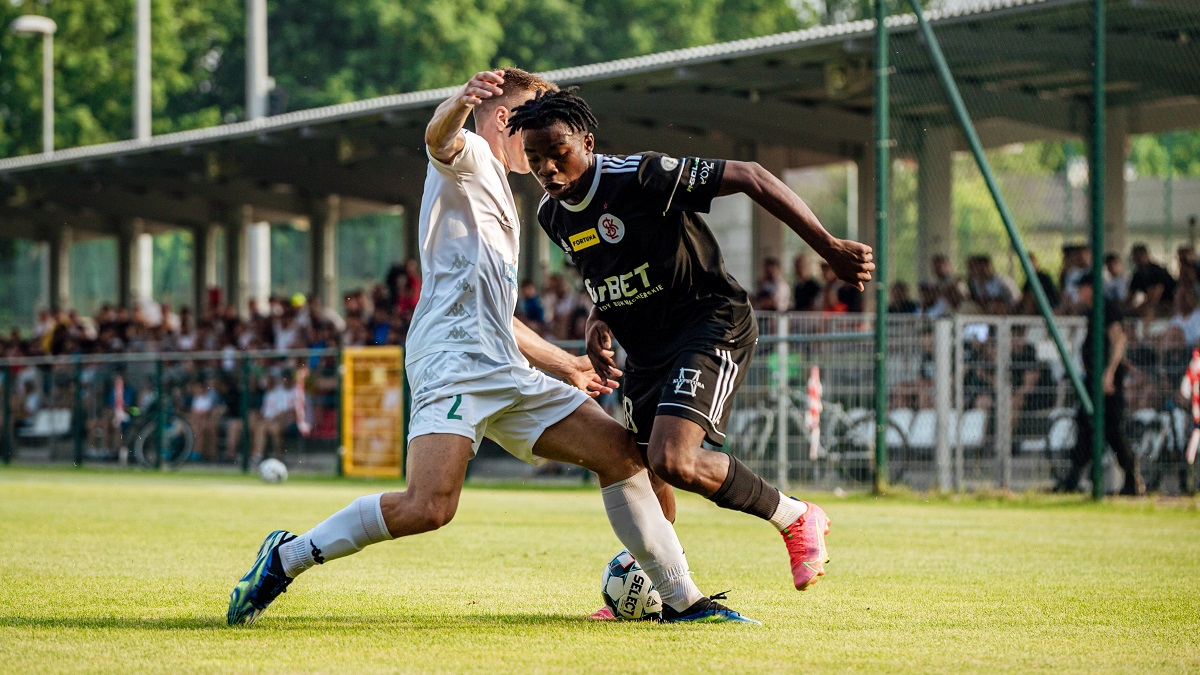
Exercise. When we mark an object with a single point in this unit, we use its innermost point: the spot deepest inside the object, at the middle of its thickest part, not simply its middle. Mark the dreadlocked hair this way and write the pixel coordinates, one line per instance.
(548, 107)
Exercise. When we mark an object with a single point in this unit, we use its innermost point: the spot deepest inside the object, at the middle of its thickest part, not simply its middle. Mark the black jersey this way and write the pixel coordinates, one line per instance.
(649, 262)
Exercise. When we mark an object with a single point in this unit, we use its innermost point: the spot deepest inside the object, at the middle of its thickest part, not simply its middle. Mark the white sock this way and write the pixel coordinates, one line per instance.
(639, 523)
(348, 531)
(788, 511)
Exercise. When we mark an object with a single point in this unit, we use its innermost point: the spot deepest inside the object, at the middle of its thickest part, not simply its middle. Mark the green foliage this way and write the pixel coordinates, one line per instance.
(1151, 155)
(322, 53)
(93, 51)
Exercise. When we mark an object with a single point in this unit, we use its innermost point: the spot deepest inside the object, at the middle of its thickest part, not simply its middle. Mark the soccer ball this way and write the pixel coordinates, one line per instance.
(627, 591)
(272, 471)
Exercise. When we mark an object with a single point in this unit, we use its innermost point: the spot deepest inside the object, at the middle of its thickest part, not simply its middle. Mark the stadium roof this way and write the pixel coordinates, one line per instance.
(1023, 66)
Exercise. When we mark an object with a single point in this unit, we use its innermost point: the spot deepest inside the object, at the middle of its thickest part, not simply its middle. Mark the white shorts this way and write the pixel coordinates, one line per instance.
(472, 396)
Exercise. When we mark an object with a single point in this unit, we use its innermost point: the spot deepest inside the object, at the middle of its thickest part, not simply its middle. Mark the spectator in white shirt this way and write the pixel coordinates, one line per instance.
(278, 412)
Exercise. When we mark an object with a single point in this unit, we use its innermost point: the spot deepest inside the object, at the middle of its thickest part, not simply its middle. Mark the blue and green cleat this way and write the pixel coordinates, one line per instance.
(707, 610)
(261, 585)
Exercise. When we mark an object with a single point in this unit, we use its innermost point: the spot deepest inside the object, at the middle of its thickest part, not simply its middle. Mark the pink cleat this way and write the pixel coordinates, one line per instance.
(602, 614)
(805, 541)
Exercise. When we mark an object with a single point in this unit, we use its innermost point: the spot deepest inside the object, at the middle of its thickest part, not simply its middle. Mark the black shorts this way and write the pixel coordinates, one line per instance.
(698, 385)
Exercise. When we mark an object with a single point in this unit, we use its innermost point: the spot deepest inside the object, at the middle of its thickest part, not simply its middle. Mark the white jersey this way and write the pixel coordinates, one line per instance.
(470, 242)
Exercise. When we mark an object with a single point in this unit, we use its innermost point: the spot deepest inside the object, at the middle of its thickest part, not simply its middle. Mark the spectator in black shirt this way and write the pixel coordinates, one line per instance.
(901, 302)
(1114, 400)
(1028, 303)
(807, 290)
(1152, 288)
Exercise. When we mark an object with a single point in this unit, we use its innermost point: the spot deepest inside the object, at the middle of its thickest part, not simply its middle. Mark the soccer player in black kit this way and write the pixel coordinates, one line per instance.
(654, 271)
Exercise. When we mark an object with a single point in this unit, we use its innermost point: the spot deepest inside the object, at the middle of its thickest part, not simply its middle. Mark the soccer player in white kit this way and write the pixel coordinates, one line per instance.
(468, 362)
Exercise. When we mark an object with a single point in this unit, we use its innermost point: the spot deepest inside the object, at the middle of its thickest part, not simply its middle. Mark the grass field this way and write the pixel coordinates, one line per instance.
(131, 572)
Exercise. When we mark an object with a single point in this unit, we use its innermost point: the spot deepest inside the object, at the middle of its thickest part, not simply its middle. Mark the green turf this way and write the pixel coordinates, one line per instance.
(131, 572)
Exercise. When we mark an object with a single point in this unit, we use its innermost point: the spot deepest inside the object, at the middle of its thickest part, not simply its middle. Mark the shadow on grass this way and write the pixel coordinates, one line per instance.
(276, 622)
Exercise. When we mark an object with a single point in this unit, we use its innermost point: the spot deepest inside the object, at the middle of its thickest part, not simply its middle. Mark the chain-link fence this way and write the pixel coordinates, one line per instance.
(974, 402)
(207, 409)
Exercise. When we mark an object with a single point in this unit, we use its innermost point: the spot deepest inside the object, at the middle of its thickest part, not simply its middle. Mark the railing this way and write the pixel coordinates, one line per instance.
(975, 402)
(213, 406)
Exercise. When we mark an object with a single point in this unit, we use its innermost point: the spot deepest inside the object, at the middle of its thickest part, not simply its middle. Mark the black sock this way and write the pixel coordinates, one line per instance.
(743, 490)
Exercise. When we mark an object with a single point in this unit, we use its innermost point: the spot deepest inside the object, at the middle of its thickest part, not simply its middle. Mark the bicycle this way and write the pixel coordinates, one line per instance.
(1158, 443)
(178, 438)
(845, 444)
(1155, 438)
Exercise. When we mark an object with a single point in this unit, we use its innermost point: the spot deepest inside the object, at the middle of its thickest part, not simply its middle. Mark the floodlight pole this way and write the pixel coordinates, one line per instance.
(141, 88)
(1097, 185)
(882, 199)
(48, 93)
(45, 26)
(258, 82)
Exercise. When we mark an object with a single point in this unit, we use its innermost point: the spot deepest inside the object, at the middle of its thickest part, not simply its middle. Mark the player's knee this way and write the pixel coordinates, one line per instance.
(676, 468)
(436, 512)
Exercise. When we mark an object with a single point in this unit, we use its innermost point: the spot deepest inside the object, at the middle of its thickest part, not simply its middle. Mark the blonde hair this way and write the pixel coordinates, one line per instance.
(518, 81)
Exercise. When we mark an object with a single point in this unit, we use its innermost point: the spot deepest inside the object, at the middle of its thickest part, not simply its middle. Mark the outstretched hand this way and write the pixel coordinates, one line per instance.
(852, 261)
(599, 341)
(483, 86)
(583, 376)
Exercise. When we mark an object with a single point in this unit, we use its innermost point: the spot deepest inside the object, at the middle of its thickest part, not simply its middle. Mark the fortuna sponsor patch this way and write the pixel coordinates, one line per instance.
(585, 239)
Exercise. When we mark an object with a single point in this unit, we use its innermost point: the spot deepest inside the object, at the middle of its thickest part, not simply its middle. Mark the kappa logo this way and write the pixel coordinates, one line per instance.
(318, 556)
(460, 262)
(456, 310)
(688, 382)
(702, 171)
(611, 228)
(585, 239)
(565, 246)
(669, 163)
(464, 286)
(457, 333)
(627, 404)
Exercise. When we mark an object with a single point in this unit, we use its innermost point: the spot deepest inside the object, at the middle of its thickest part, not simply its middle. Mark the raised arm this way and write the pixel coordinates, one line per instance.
(576, 370)
(851, 260)
(441, 134)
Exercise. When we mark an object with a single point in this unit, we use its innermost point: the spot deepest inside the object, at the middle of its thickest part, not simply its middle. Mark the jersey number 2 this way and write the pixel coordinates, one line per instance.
(453, 414)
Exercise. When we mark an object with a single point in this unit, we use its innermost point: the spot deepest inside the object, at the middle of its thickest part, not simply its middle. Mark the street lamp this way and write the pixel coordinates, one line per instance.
(34, 25)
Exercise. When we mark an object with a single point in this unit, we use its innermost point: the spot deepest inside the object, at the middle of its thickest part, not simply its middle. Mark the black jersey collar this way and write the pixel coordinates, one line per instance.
(576, 208)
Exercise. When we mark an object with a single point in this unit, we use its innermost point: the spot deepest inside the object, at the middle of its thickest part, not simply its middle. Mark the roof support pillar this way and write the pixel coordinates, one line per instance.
(236, 264)
(1116, 149)
(322, 228)
(60, 268)
(409, 229)
(766, 230)
(935, 184)
(535, 252)
(258, 263)
(204, 261)
(135, 251)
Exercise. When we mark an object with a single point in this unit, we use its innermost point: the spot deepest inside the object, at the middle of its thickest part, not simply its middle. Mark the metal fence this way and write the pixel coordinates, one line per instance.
(201, 408)
(975, 402)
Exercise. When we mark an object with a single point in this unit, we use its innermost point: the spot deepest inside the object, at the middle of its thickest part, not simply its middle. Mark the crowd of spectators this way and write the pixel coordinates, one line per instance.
(1145, 290)
(375, 316)
(210, 392)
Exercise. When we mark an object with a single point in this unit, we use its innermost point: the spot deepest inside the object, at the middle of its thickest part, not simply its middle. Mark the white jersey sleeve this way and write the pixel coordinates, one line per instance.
(467, 161)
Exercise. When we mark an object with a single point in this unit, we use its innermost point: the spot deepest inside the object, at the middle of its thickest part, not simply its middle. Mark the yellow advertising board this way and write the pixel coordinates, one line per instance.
(372, 411)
